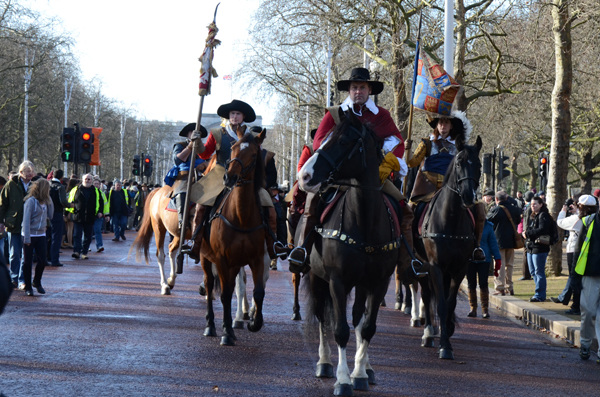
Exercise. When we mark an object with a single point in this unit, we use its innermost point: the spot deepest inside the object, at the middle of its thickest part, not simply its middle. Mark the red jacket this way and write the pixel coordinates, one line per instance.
(381, 123)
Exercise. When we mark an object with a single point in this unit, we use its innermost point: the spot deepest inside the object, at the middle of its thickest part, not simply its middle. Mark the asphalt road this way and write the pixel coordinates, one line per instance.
(103, 329)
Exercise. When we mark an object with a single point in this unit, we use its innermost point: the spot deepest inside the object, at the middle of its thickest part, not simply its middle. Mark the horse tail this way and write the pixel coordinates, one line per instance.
(142, 241)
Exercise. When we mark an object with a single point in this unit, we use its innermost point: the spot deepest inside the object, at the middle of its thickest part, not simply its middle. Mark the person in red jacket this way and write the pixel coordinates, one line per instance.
(359, 87)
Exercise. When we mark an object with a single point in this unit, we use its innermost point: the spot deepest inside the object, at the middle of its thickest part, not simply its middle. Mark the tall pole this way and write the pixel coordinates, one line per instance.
(28, 71)
(123, 121)
(206, 72)
(68, 92)
(329, 60)
(96, 117)
(449, 37)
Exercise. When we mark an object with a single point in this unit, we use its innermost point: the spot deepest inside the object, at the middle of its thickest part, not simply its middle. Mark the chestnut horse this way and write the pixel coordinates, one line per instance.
(159, 221)
(236, 236)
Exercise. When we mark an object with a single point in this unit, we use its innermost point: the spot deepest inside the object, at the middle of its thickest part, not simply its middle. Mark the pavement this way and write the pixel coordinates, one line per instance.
(536, 315)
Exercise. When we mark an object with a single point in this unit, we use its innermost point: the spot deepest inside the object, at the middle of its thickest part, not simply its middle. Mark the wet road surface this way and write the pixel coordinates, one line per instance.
(103, 329)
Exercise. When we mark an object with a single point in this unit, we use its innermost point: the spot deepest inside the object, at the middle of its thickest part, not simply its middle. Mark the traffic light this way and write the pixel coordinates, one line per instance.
(135, 169)
(487, 163)
(67, 144)
(543, 166)
(85, 148)
(503, 172)
(147, 165)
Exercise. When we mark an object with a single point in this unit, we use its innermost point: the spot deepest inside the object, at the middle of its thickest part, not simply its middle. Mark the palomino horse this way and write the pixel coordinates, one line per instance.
(448, 240)
(236, 236)
(159, 221)
(350, 249)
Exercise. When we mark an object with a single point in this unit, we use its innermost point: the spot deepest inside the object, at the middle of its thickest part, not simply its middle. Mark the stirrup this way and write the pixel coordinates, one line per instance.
(281, 250)
(478, 249)
(298, 264)
(417, 266)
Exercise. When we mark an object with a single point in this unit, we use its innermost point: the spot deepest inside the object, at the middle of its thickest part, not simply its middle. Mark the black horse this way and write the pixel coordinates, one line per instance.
(448, 240)
(356, 247)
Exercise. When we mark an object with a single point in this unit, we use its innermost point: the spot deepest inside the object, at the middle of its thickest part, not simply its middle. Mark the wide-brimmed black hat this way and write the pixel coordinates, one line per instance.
(240, 106)
(191, 127)
(312, 133)
(363, 75)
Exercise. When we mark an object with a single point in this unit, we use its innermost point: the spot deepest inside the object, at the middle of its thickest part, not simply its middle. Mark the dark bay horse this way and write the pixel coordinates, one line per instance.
(236, 236)
(356, 247)
(448, 240)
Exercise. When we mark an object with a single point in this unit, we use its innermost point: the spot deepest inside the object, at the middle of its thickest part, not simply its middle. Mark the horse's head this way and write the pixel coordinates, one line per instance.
(245, 164)
(348, 153)
(464, 173)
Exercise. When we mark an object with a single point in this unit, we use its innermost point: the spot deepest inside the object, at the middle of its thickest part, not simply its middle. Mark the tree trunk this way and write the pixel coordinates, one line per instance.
(561, 120)
(459, 53)
(401, 103)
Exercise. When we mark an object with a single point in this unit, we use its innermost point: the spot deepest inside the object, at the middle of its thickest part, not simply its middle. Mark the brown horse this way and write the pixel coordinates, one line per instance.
(236, 236)
(159, 221)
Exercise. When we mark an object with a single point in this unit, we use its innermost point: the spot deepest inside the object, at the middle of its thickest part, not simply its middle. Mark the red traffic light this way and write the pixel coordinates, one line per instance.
(543, 160)
(86, 136)
(146, 160)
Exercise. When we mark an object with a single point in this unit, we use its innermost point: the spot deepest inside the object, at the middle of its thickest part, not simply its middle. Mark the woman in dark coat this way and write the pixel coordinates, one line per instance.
(538, 224)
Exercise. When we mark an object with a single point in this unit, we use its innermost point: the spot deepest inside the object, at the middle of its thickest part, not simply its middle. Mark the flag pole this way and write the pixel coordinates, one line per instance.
(412, 95)
(206, 73)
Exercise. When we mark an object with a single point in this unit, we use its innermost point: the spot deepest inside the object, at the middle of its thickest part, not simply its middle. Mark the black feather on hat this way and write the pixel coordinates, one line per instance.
(361, 75)
(191, 127)
(240, 106)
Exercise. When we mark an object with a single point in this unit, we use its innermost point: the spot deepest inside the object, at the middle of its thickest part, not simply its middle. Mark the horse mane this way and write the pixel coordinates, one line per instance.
(460, 146)
(259, 169)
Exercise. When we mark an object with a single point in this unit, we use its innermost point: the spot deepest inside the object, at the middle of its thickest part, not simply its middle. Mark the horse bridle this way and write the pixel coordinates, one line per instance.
(335, 167)
(458, 180)
(245, 170)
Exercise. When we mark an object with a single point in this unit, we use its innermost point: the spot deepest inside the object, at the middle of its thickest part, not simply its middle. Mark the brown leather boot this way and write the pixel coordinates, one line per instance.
(197, 227)
(473, 303)
(272, 224)
(485, 302)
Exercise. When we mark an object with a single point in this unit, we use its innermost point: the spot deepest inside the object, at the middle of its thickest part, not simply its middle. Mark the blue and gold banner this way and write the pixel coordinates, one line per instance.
(434, 89)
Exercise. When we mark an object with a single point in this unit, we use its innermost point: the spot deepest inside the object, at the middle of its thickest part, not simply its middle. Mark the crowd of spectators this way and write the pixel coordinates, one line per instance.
(42, 214)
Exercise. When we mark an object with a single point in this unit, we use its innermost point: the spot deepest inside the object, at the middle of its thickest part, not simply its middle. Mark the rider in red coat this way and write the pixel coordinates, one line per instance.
(360, 87)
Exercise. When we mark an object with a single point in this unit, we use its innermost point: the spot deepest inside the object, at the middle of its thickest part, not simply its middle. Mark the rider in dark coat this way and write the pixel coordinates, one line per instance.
(178, 175)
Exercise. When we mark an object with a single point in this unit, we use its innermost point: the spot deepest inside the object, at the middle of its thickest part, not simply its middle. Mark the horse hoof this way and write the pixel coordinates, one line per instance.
(296, 316)
(227, 340)
(371, 375)
(415, 323)
(165, 290)
(210, 331)
(446, 354)
(246, 317)
(324, 371)
(383, 304)
(255, 325)
(427, 342)
(360, 384)
(342, 389)
(397, 305)
(202, 290)
(237, 324)
(171, 283)
(407, 310)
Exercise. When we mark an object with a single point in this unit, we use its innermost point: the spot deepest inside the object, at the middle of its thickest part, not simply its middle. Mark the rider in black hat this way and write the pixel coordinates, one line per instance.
(178, 175)
(235, 114)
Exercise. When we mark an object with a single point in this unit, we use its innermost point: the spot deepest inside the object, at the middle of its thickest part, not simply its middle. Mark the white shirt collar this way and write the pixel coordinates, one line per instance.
(348, 104)
(231, 132)
(452, 141)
